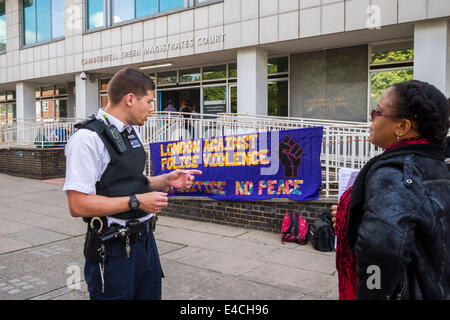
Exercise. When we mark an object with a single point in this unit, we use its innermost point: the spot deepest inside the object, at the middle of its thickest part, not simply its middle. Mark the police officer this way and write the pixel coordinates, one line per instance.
(106, 186)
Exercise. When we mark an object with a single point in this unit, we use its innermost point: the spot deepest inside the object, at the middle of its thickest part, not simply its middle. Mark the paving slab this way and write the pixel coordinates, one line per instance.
(38, 207)
(238, 247)
(299, 280)
(38, 270)
(56, 200)
(268, 238)
(184, 281)
(36, 236)
(303, 260)
(165, 247)
(8, 245)
(71, 227)
(72, 295)
(176, 223)
(18, 215)
(216, 261)
(235, 288)
(7, 227)
(217, 229)
(188, 237)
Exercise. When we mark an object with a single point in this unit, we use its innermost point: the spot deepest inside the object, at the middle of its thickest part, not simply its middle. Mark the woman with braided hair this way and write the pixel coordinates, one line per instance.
(393, 225)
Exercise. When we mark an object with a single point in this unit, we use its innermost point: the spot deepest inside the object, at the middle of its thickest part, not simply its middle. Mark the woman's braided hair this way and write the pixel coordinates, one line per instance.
(426, 105)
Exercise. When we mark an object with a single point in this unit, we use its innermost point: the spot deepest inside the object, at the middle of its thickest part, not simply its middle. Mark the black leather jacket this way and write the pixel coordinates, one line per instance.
(401, 237)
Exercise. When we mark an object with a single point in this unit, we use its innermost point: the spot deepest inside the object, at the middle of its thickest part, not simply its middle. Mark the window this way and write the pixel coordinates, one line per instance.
(105, 13)
(51, 102)
(42, 20)
(165, 5)
(232, 70)
(219, 85)
(278, 65)
(233, 98)
(7, 107)
(390, 64)
(146, 7)
(278, 98)
(2, 113)
(278, 87)
(165, 78)
(95, 14)
(123, 10)
(104, 92)
(61, 109)
(190, 75)
(2, 26)
(214, 100)
(215, 72)
(57, 18)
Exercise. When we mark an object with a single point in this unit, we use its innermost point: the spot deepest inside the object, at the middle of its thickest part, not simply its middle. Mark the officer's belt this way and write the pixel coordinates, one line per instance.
(133, 229)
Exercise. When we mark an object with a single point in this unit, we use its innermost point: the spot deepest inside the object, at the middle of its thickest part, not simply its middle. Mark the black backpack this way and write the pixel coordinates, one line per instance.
(321, 233)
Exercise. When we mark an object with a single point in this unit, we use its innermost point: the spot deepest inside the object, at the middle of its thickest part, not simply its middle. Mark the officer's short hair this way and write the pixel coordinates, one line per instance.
(127, 81)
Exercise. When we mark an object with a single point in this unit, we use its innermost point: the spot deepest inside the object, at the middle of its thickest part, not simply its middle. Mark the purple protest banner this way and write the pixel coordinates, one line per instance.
(249, 167)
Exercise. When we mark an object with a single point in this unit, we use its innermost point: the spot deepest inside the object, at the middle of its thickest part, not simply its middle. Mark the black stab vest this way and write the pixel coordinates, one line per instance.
(124, 173)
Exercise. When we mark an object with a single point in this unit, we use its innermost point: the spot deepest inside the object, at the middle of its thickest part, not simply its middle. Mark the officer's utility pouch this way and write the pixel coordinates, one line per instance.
(92, 246)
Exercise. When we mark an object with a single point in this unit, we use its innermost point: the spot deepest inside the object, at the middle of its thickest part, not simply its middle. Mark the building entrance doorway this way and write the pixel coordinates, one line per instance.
(178, 95)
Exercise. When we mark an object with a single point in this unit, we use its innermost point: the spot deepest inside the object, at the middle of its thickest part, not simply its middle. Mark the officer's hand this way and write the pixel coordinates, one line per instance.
(333, 213)
(181, 178)
(153, 202)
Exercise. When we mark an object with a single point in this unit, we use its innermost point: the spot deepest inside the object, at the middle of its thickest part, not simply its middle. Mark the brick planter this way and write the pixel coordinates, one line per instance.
(34, 163)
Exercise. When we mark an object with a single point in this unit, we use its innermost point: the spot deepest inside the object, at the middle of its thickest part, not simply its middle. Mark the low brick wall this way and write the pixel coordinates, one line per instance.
(34, 163)
(266, 215)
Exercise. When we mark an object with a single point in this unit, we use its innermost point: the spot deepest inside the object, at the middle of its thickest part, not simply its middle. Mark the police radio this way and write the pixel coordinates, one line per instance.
(115, 137)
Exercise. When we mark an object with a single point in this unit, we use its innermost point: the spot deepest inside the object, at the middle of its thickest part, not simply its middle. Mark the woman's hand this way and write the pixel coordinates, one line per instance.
(333, 214)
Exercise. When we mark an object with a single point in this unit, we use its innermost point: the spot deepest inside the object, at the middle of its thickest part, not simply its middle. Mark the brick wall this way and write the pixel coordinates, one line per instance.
(34, 163)
(264, 215)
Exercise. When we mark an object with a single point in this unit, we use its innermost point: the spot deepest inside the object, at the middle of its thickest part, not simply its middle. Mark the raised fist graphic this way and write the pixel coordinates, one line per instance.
(290, 154)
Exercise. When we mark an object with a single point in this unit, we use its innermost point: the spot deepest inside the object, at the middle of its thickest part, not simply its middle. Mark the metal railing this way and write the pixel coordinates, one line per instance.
(36, 133)
(344, 145)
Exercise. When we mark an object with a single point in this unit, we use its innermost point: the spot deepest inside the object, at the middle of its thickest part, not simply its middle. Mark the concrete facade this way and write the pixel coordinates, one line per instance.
(218, 31)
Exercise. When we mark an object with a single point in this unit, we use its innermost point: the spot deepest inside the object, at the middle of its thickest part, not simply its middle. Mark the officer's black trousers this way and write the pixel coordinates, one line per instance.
(135, 278)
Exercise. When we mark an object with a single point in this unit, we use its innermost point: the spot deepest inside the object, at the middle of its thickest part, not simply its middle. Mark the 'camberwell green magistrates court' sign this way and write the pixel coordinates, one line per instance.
(156, 48)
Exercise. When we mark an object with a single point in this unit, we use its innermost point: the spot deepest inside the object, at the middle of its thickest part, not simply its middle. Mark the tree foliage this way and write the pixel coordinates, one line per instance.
(393, 56)
(382, 80)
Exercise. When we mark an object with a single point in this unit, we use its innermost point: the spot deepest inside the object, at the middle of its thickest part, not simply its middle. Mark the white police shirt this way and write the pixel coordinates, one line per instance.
(87, 159)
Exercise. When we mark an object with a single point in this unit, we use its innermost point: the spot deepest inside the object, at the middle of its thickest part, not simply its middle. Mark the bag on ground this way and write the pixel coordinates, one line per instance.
(321, 233)
(294, 228)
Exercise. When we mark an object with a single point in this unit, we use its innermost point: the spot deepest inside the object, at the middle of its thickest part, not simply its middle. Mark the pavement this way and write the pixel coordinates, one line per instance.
(41, 254)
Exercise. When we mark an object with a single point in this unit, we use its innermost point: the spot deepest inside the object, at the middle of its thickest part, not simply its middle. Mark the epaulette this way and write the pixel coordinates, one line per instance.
(81, 124)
